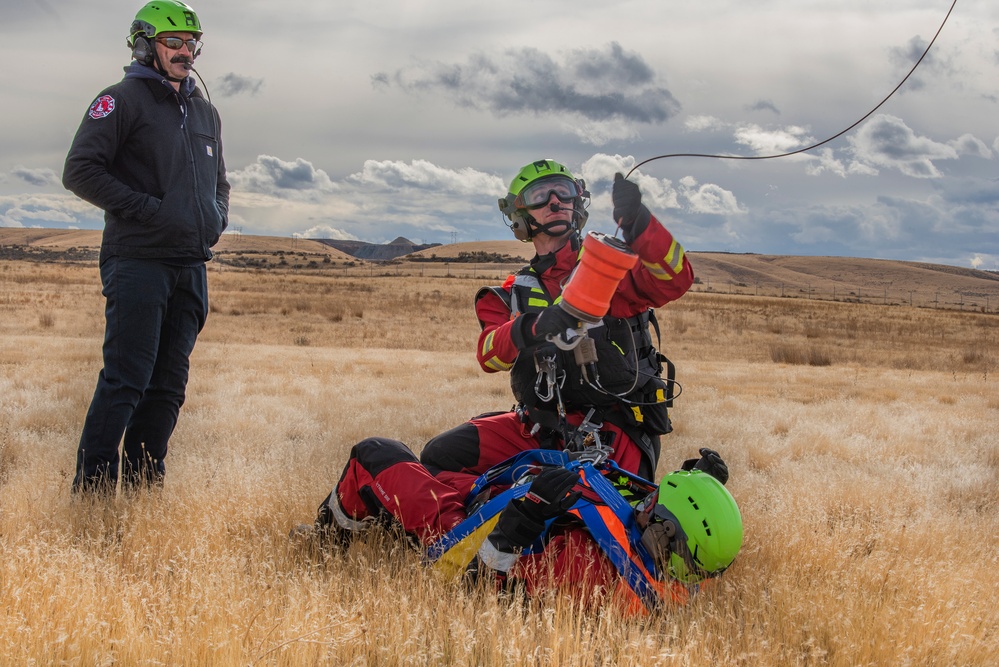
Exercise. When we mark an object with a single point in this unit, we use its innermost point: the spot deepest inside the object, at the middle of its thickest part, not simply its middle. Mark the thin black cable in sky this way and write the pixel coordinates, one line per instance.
(826, 141)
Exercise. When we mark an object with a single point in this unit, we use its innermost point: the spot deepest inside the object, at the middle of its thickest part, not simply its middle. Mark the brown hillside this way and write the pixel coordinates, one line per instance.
(847, 278)
(836, 278)
(63, 239)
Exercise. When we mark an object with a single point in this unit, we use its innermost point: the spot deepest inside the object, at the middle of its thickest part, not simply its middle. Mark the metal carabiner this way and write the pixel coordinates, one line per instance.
(546, 373)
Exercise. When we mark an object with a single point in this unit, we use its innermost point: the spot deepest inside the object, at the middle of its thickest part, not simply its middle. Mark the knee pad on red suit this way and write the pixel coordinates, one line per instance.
(453, 450)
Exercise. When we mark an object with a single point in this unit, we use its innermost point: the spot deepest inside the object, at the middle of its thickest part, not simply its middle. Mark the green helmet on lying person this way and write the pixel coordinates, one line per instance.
(691, 526)
(532, 188)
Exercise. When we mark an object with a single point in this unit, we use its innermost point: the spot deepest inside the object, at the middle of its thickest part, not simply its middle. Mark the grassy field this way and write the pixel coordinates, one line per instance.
(862, 441)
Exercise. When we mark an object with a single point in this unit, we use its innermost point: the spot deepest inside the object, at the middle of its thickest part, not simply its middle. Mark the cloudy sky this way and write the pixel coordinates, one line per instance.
(372, 120)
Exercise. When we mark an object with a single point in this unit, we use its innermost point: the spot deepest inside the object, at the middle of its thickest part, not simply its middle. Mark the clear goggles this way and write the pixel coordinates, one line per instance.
(540, 191)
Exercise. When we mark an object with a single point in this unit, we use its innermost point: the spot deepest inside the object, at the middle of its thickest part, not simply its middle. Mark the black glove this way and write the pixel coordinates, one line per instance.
(710, 462)
(553, 321)
(523, 519)
(629, 213)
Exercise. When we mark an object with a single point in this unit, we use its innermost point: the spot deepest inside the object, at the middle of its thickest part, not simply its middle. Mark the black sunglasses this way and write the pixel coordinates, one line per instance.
(175, 43)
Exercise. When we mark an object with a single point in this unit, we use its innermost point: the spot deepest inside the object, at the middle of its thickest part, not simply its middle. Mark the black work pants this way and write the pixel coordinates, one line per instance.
(154, 312)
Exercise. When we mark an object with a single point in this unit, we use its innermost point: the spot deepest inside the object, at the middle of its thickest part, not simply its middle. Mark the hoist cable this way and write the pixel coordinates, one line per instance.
(826, 141)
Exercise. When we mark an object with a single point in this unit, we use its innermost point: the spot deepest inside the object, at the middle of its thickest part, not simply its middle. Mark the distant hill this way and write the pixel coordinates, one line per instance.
(838, 278)
(517, 249)
(378, 251)
(87, 242)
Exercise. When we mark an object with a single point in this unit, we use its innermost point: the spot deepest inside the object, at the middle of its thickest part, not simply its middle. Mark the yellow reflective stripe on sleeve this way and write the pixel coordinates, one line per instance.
(657, 271)
(492, 363)
(497, 365)
(487, 344)
(674, 258)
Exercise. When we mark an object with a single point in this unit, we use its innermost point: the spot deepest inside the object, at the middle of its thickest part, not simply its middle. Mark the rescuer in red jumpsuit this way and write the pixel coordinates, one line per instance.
(546, 207)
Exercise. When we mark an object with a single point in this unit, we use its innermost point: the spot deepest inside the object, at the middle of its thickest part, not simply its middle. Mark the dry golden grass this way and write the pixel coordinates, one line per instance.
(868, 484)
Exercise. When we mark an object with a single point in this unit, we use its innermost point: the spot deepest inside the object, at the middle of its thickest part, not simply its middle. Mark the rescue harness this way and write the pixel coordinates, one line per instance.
(605, 508)
(621, 373)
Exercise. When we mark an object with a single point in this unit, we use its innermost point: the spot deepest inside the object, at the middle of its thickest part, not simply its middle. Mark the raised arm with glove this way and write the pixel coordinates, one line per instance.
(629, 213)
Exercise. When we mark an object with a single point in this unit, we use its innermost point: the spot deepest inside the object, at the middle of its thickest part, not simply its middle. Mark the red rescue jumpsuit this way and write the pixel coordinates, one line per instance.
(458, 456)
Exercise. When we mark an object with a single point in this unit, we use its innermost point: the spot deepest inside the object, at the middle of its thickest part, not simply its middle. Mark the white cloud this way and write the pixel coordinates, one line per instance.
(292, 180)
(860, 169)
(424, 175)
(598, 172)
(703, 123)
(47, 210)
(824, 161)
(602, 167)
(886, 141)
(385, 199)
(985, 262)
(772, 142)
(708, 198)
(325, 232)
(968, 144)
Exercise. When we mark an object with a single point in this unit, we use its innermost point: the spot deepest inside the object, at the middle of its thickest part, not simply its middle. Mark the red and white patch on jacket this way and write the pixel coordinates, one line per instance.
(102, 106)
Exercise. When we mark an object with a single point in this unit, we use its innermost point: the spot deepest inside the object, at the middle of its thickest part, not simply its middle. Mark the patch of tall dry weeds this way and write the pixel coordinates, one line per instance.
(868, 490)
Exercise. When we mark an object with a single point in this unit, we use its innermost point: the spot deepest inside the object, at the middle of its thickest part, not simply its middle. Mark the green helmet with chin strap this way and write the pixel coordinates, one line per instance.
(165, 16)
(694, 529)
(532, 188)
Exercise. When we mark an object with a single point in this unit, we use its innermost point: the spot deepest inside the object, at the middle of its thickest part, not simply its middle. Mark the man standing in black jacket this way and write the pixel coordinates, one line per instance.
(149, 153)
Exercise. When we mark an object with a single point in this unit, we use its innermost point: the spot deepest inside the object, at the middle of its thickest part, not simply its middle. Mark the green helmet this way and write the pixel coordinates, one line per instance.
(165, 16)
(694, 528)
(532, 188)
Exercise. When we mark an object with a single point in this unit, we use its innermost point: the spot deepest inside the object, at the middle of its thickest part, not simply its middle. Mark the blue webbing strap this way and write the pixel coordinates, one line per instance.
(635, 568)
(515, 467)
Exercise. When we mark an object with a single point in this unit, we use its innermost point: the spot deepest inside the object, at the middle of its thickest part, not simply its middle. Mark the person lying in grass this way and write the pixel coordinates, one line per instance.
(547, 519)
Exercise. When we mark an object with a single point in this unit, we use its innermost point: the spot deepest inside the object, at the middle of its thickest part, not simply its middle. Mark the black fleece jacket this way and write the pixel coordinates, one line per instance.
(152, 159)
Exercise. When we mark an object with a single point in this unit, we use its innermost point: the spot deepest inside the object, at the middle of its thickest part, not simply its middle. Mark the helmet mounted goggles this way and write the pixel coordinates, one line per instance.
(532, 188)
(665, 540)
(538, 193)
